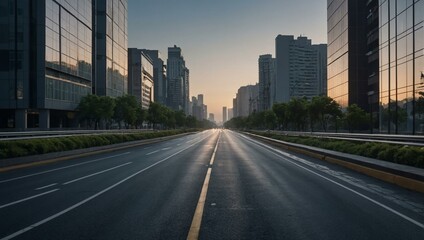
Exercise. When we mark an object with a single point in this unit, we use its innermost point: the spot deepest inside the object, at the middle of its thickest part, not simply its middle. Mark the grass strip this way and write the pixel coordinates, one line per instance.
(401, 154)
(27, 147)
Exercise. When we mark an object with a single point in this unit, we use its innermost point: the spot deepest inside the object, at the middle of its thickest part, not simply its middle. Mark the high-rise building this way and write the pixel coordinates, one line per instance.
(401, 57)
(230, 113)
(211, 117)
(375, 60)
(297, 64)
(45, 62)
(178, 80)
(224, 114)
(140, 77)
(267, 77)
(321, 68)
(199, 110)
(247, 100)
(235, 113)
(347, 49)
(159, 76)
(111, 45)
(53, 53)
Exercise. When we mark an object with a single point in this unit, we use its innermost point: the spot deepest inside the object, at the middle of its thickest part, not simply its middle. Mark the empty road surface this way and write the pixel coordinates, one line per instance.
(216, 184)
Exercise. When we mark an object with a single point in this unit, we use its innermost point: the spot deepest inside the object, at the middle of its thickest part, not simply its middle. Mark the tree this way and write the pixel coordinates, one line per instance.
(86, 108)
(297, 112)
(280, 110)
(126, 110)
(141, 116)
(94, 109)
(356, 118)
(105, 109)
(323, 109)
(180, 118)
(270, 119)
(157, 114)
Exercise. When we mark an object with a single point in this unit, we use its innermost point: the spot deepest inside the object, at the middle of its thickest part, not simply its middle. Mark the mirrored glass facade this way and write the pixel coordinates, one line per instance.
(338, 62)
(347, 44)
(401, 66)
(112, 47)
(68, 52)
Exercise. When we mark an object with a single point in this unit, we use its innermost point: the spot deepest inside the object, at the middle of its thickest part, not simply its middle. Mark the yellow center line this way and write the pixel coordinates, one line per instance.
(193, 234)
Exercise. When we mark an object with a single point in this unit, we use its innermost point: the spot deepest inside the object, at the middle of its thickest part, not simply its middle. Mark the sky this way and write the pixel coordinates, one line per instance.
(221, 40)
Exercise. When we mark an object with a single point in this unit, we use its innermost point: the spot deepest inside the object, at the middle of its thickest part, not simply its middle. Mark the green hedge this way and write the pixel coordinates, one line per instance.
(402, 154)
(20, 148)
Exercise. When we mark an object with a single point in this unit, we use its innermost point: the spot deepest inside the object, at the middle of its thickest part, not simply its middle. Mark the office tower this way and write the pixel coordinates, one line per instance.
(235, 113)
(224, 114)
(178, 80)
(53, 53)
(267, 75)
(246, 100)
(211, 117)
(198, 108)
(140, 77)
(401, 48)
(159, 76)
(45, 62)
(347, 49)
(298, 65)
(230, 113)
(321, 68)
(375, 60)
(111, 44)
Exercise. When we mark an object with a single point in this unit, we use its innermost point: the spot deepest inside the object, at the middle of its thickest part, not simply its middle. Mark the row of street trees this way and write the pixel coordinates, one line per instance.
(320, 113)
(106, 112)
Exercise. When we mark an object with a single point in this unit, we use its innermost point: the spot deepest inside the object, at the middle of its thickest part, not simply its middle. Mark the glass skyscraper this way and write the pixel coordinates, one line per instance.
(111, 47)
(347, 48)
(401, 50)
(50, 55)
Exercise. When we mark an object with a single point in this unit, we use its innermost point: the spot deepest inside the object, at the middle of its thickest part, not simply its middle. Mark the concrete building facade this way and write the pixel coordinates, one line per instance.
(159, 76)
(267, 77)
(300, 71)
(178, 76)
(140, 77)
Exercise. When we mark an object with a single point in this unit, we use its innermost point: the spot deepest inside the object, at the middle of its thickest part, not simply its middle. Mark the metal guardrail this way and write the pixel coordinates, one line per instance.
(63, 133)
(411, 140)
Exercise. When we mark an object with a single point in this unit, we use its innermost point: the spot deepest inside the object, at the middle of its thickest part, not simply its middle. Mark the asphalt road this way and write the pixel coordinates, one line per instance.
(211, 185)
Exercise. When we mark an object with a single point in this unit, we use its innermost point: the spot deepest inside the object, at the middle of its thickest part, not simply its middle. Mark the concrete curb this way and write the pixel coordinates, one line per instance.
(405, 176)
(34, 160)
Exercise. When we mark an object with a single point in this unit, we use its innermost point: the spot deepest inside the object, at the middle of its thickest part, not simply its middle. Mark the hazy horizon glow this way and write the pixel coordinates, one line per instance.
(221, 40)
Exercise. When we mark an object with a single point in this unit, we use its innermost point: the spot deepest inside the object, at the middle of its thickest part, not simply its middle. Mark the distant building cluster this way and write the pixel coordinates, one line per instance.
(199, 109)
(374, 59)
(298, 70)
(53, 53)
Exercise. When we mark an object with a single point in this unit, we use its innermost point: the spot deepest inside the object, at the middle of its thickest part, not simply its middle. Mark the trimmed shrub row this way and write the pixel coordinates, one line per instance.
(402, 154)
(20, 148)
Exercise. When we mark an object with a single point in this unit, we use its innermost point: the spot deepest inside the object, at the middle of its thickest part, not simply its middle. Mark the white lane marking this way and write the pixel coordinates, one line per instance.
(150, 153)
(92, 197)
(97, 173)
(163, 149)
(179, 144)
(191, 140)
(28, 198)
(57, 169)
(214, 151)
(50, 185)
(332, 181)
